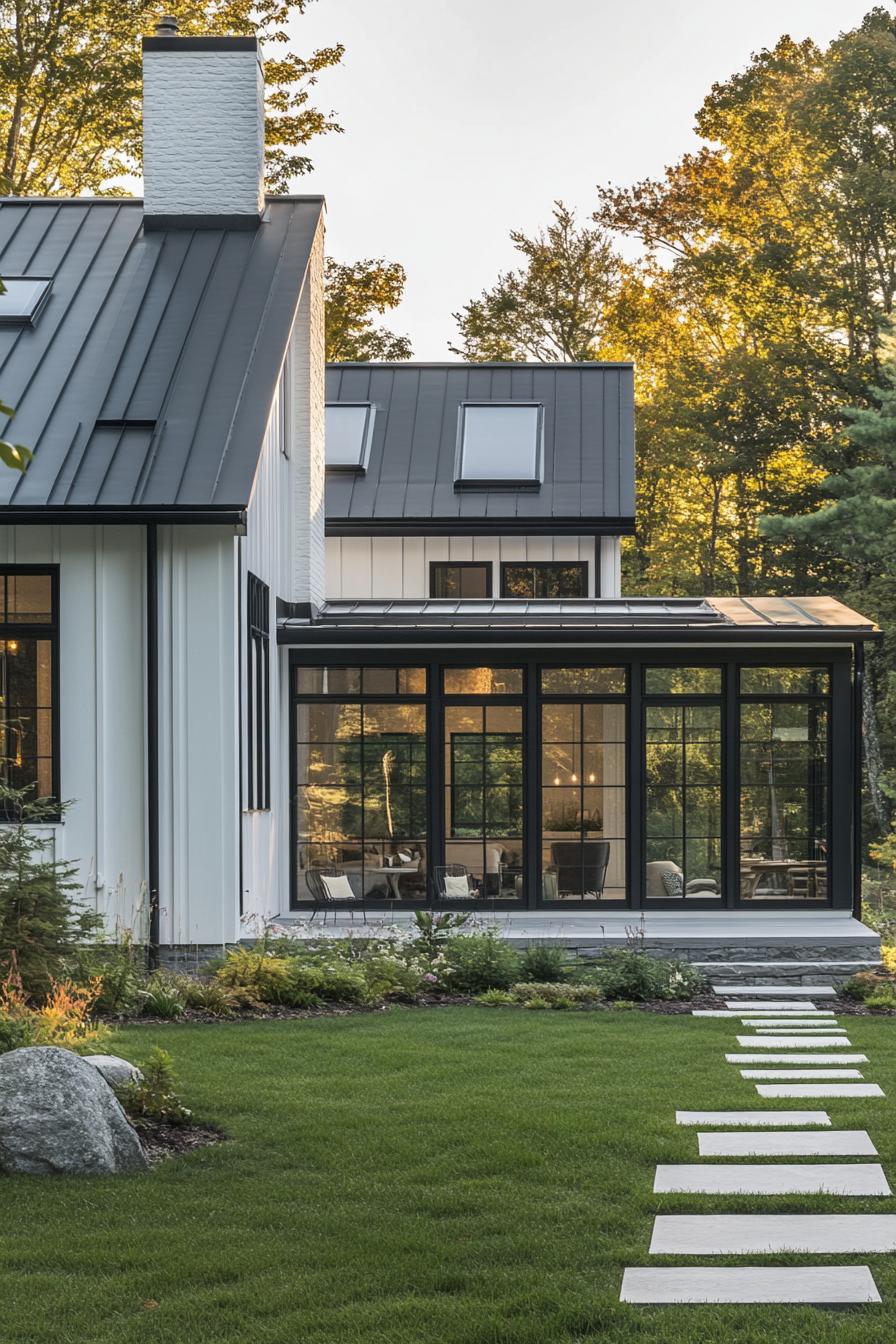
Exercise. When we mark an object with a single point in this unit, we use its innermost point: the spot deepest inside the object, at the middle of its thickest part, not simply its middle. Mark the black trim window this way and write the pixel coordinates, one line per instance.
(499, 443)
(544, 578)
(29, 701)
(258, 695)
(460, 578)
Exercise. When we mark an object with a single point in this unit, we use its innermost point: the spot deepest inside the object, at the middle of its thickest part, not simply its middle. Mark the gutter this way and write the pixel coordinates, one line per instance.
(96, 516)
(152, 737)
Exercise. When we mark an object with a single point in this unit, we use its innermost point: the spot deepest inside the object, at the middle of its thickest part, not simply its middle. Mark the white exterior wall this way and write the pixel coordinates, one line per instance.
(374, 568)
(284, 547)
(102, 746)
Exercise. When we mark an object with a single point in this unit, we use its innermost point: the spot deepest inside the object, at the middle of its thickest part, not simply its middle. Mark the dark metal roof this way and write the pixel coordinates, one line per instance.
(589, 453)
(146, 383)
(713, 618)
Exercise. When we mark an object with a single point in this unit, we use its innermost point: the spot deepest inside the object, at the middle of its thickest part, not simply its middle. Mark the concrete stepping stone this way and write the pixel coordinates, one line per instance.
(772, 1233)
(769, 1016)
(779, 991)
(819, 1090)
(789, 1023)
(783, 1075)
(773, 1118)
(784, 1143)
(778, 1178)
(835, 1285)
(792, 1042)
(768, 1006)
(797, 1059)
(794, 1029)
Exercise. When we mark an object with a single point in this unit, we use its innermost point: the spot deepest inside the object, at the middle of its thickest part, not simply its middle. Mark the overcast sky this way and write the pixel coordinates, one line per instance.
(466, 118)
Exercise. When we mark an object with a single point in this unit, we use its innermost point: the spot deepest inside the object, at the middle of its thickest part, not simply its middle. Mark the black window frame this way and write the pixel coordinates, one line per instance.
(540, 566)
(358, 468)
(49, 631)
(487, 565)
(521, 482)
(258, 694)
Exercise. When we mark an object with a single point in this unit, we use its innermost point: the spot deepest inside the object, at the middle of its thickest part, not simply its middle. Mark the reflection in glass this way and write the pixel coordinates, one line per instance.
(483, 680)
(583, 801)
(361, 794)
(583, 680)
(784, 681)
(783, 800)
(484, 796)
(683, 680)
(683, 801)
(544, 580)
(26, 715)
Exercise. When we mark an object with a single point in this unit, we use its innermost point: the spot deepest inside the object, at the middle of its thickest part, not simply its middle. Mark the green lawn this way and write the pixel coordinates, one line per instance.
(445, 1176)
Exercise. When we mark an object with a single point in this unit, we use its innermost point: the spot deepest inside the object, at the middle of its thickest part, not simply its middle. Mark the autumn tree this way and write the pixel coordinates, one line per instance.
(356, 292)
(70, 88)
(554, 306)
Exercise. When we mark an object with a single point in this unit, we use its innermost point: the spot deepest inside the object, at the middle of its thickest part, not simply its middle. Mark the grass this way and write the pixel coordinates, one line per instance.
(451, 1176)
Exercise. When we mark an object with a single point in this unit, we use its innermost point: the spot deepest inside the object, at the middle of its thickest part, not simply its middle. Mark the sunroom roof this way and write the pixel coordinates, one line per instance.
(713, 617)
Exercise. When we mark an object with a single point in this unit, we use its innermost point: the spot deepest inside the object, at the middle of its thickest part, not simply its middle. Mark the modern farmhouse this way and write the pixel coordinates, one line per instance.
(295, 639)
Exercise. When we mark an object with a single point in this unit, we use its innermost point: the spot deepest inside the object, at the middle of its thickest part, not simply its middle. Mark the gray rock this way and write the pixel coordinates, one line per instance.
(58, 1116)
(116, 1071)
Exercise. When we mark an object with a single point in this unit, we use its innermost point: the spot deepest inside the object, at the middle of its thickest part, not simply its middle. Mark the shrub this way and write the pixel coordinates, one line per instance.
(888, 957)
(41, 923)
(568, 996)
(163, 995)
(479, 961)
(885, 997)
(154, 1098)
(545, 962)
(625, 973)
(304, 986)
(434, 930)
(496, 998)
(536, 1001)
(256, 975)
(208, 996)
(62, 1019)
(118, 967)
(864, 985)
(391, 977)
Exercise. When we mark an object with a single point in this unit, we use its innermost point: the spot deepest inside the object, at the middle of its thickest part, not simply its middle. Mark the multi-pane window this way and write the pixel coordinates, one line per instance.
(499, 443)
(544, 579)
(683, 782)
(360, 776)
(459, 579)
(258, 695)
(784, 727)
(28, 654)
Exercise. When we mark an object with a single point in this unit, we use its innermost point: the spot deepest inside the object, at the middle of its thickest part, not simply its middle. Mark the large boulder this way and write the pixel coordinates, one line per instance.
(117, 1072)
(59, 1117)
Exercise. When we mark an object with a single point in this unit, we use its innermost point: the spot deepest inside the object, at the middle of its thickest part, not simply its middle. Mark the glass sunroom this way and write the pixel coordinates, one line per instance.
(681, 754)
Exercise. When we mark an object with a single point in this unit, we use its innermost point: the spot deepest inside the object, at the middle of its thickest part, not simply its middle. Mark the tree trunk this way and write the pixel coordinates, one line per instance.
(873, 758)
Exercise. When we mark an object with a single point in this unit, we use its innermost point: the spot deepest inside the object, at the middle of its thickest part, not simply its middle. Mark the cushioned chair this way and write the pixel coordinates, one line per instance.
(440, 872)
(323, 898)
(581, 867)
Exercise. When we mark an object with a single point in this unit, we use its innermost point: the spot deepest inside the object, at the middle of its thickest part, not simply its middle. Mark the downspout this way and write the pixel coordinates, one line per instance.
(857, 700)
(152, 735)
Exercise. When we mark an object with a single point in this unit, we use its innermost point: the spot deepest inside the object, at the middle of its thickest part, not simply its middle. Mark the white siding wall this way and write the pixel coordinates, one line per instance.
(396, 567)
(102, 659)
(284, 547)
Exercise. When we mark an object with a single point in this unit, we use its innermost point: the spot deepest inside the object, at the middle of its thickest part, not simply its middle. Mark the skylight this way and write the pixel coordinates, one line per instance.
(499, 443)
(349, 431)
(22, 299)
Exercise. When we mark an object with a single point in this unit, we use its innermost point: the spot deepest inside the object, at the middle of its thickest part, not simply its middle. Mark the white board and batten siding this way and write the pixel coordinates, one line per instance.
(368, 568)
(284, 547)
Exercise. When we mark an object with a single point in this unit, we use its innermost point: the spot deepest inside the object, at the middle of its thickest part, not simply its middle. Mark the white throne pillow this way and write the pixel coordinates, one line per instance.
(457, 887)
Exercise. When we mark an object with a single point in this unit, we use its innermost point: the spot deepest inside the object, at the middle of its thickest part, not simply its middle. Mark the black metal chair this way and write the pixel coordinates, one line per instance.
(323, 900)
(440, 872)
(581, 866)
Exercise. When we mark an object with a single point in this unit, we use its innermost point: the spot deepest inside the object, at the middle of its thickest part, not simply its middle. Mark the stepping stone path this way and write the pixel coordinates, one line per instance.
(789, 1028)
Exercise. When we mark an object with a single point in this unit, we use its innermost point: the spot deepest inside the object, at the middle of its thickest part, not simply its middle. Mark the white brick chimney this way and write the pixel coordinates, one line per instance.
(203, 130)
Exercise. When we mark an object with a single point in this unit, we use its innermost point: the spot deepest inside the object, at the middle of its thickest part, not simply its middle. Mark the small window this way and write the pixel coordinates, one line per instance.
(22, 299)
(349, 431)
(483, 681)
(583, 680)
(683, 681)
(29, 656)
(544, 579)
(349, 680)
(467, 578)
(258, 695)
(784, 681)
(499, 444)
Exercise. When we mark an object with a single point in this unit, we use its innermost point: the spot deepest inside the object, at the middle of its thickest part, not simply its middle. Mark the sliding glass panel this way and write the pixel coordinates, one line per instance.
(683, 801)
(583, 802)
(783, 800)
(484, 773)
